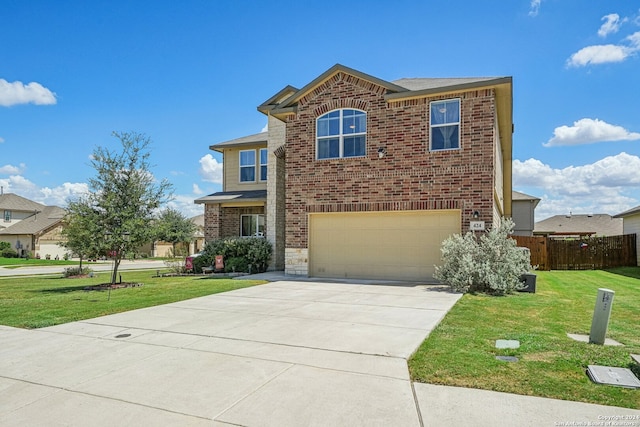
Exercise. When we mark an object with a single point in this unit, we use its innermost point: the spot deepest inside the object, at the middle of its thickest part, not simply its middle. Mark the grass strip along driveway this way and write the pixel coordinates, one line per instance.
(461, 350)
(36, 302)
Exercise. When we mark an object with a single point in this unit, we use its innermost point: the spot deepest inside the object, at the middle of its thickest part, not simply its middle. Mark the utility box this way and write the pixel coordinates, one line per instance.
(601, 315)
(528, 282)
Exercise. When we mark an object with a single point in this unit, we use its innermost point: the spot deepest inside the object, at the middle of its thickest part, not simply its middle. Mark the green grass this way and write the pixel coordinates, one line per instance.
(461, 350)
(37, 302)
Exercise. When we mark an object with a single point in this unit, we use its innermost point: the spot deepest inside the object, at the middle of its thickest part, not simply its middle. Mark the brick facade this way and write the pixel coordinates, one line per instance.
(408, 177)
(221, 222)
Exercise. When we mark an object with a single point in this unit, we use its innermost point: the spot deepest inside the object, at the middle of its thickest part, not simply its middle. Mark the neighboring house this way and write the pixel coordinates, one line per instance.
(358, 177)
(567, 226)
(31, 227)
(163, 249)
(523, 213)
(631, 225)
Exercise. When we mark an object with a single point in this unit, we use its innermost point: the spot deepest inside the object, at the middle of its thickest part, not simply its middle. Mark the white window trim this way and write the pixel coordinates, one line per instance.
(257, 222)
(459, 123)
(341, 135)
(260, 164)
(240, 166)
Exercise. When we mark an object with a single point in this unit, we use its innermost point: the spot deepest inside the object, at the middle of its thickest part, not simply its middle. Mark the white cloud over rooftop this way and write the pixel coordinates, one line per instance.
(210, 169)
(599, 187)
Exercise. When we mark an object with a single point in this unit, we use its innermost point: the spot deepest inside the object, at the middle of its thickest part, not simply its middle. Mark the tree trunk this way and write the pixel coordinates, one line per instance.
(116, 264)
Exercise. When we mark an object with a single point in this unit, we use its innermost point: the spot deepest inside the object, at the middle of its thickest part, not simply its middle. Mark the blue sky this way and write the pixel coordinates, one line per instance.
(190, 74)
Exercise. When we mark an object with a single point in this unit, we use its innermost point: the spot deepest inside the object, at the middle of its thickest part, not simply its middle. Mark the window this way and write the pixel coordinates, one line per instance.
(445, 125)
(263, 164)
(248, 166)
(341, 133)
(252, 225)
(7, 216)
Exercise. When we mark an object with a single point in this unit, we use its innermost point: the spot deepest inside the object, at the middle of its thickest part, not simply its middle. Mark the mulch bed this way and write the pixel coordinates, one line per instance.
(107, 286)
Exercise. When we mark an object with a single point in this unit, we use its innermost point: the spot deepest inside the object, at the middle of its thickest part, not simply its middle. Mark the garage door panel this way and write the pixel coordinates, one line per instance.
(383, 245)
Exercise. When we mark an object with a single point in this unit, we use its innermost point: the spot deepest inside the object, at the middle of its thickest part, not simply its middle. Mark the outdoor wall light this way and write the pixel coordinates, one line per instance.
(476, 215)
(381, 152)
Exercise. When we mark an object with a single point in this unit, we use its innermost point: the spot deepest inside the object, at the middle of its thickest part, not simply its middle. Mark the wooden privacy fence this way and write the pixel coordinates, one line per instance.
(580, 254)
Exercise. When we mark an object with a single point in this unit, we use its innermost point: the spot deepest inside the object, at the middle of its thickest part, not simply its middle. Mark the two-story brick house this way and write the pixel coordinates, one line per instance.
(365, 177)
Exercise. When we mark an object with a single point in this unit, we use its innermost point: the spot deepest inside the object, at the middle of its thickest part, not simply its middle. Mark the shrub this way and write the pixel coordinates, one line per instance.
(491, 264)
(8, 253)
(246, 254)
(4, 245)
(175, 265)
(76, 271)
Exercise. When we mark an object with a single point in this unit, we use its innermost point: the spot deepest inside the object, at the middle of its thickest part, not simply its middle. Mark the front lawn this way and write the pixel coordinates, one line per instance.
(36, 302)
(461, 350)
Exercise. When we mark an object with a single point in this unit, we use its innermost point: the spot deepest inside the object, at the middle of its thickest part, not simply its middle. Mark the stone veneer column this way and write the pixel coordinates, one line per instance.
(275, 209)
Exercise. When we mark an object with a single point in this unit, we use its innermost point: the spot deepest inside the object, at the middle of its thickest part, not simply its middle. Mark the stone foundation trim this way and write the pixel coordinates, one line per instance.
(296, 261)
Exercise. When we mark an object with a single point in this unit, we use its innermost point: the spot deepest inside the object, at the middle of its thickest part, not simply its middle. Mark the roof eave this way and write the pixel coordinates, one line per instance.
(447, 89)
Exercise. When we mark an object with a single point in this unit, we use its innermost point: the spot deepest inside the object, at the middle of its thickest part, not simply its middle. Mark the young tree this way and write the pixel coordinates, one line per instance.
(81, 231)
(173, 227)
(124, 196)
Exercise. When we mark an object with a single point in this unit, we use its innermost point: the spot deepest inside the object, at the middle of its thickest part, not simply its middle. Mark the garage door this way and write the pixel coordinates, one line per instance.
(379, 245)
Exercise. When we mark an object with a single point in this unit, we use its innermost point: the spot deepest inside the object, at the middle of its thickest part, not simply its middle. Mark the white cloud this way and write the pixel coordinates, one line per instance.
(59, 195)
(265, 128)
(634, 39)
(611, 25)
(18, 93)
(12, 170)
(1, 140)
(600, 187)
(197, 190)
(535, 7)
(588, 131)
(599, 54)
(185, 204)
(210, 169)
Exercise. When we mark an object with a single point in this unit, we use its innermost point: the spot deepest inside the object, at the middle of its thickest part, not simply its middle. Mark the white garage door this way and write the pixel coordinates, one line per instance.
(379, 245)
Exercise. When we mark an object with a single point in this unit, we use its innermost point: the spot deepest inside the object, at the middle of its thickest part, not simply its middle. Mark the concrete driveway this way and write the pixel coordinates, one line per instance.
(282, 354)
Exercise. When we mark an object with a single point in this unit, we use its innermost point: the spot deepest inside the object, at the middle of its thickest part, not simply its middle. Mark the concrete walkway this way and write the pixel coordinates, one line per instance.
(288, 353)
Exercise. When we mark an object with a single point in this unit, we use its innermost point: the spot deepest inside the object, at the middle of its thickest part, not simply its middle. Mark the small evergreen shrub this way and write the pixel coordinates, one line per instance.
(240, 254)
(490, 264)
(8, 253)
(76, 271)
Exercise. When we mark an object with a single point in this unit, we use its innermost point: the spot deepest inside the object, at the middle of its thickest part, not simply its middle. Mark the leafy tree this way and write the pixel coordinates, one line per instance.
(82, 234)
(123, 197)
(173, 227)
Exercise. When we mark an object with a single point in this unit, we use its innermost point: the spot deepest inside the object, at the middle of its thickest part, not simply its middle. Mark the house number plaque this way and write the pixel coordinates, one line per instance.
(476, 225)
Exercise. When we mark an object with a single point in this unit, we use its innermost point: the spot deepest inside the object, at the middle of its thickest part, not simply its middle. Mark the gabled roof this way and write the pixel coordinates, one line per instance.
(37, 223)
(398, 89)
(287, 104)
(234, 196)
(597, 224)
(13, 202)
(516, 195)
(256, 138)
(629, 212)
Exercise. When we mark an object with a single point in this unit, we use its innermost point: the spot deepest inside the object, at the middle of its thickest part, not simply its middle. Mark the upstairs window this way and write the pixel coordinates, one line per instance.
(248, 166)
(445, 125)
(341, 133)
(263, 164)
(7, 216)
